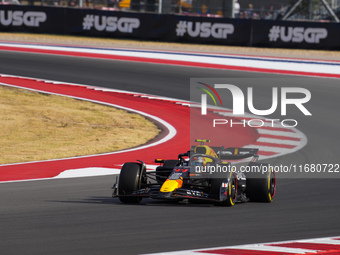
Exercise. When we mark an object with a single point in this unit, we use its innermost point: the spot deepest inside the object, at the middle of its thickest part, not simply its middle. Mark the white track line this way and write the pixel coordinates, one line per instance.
(278, 141)
(293, 65)
(278, 133)
(265, 247)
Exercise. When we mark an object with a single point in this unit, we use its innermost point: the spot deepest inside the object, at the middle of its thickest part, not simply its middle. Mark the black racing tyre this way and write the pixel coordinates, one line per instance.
(162, 172)
(216, 183)
(232, 191)
(261, 183)
(129, 181)
(216, 180)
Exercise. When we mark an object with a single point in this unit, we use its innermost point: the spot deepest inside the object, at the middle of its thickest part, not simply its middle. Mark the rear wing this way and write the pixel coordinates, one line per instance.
(236, 153)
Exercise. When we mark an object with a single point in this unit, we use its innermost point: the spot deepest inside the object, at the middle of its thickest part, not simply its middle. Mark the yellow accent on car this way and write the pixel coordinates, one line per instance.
(202, 141)
(231, 199)
(171, 185)
(204, 149)
(230, 186)
(269, 179)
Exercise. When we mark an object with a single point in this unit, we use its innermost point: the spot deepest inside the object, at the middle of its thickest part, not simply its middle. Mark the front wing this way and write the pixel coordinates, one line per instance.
(178, 194)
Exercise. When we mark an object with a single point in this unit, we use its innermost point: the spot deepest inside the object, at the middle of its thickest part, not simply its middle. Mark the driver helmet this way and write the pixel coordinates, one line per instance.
(198, 161)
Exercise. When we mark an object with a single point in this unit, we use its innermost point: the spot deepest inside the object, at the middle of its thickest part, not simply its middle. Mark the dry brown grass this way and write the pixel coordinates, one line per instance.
(36, 126)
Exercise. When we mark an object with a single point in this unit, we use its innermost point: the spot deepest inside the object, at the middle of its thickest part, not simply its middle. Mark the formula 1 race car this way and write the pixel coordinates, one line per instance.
(203, 173)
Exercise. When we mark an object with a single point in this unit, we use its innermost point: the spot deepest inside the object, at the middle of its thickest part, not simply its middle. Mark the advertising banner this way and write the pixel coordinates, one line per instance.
(285, 34)
(169, 27)
(35, 19)
(220, 31)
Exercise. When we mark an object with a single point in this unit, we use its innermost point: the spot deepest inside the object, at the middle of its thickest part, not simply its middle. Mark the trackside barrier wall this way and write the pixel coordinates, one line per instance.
(169, 27)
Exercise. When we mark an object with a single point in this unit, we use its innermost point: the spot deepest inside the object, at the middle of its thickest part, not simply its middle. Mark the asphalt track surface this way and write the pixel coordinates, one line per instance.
(78, 216)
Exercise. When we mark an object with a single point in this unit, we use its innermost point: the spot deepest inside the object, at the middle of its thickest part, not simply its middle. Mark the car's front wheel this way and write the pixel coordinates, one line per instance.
(130, 179)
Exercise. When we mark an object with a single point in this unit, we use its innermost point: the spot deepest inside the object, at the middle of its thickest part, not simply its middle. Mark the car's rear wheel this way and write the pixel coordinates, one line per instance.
(261, 183)
(130, 179)
(231, 191)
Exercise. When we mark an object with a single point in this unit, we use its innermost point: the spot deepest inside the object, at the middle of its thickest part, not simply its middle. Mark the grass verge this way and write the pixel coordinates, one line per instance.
(36, 126)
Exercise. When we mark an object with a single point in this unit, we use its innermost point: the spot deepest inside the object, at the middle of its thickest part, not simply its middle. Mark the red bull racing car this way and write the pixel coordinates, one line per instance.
(203, 173)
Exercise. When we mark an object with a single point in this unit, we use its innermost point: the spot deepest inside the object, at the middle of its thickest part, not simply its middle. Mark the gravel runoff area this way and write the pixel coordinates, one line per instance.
(109, 42)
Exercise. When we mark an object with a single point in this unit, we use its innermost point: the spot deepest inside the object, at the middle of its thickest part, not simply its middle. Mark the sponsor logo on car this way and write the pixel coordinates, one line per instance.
(194, 193)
